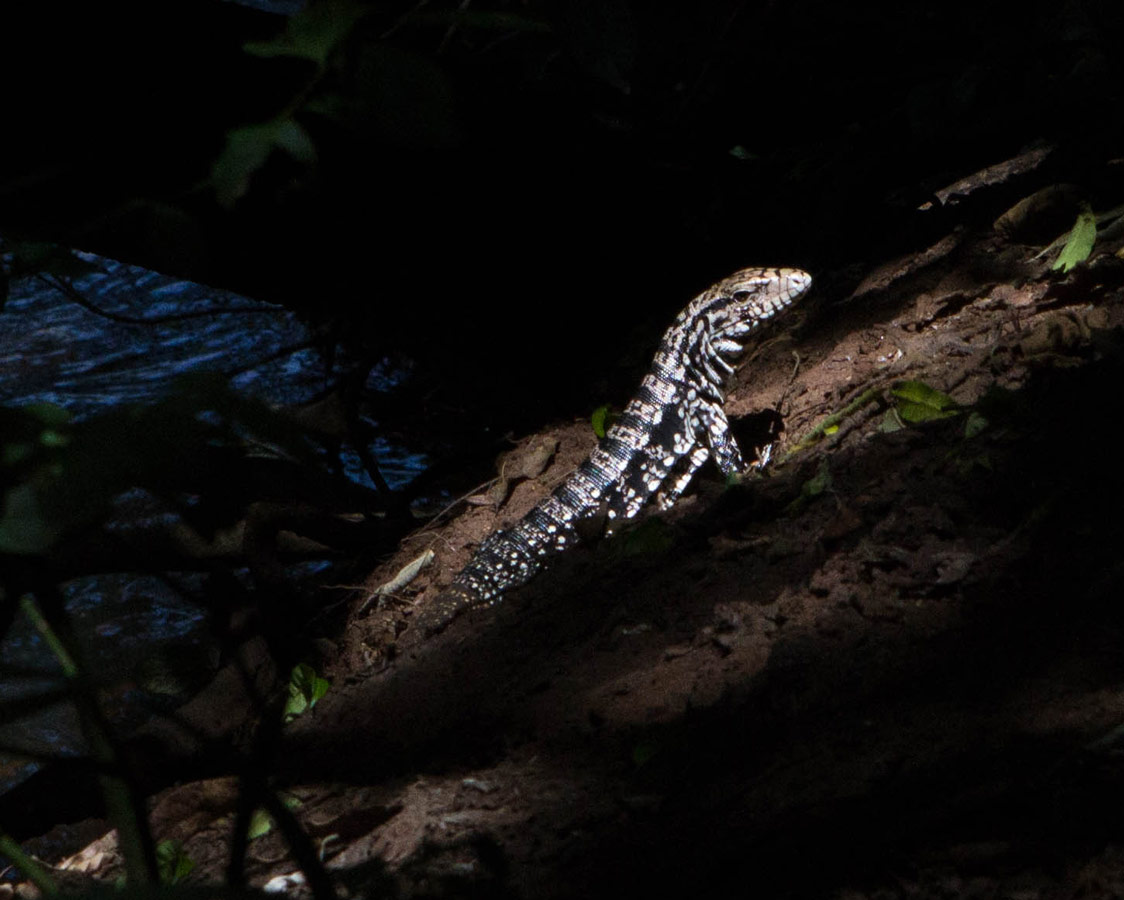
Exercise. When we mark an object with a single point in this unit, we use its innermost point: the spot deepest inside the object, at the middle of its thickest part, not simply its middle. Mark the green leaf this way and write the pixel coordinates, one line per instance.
(917, 402)
(247, 148)
(53, 439)
(891, 422)
(974, 424)
(818, 483)
(739, 152)
(305, 688)
(172, 864)
(25, 430)
(1080, 243)
(261, 823)
(600, 420)
(293, 138)
(50, 414)
(313, 33)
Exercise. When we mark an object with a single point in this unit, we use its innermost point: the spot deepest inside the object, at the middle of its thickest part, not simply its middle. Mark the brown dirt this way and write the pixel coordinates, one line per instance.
(890, 668)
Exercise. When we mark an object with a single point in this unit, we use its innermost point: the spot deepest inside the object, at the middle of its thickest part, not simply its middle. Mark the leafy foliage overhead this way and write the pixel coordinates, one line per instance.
(57, 477)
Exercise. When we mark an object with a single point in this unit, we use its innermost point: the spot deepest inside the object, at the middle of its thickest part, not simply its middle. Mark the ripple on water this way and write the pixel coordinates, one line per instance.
(54, 350)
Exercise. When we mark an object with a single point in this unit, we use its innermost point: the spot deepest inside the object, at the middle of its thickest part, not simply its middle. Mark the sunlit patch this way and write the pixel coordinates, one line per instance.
(666, 428)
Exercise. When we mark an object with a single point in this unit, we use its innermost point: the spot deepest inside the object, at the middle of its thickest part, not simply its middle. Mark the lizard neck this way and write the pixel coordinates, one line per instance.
(686, 356)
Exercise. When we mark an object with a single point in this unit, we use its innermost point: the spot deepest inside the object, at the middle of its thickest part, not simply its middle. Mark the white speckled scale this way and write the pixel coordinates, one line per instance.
(669, 429)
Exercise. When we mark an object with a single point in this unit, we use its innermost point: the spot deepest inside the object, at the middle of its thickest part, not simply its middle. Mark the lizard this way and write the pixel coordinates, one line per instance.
(667, 431)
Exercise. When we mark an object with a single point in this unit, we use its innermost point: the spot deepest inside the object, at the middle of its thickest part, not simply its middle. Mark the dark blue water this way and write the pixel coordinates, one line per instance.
(54, 349)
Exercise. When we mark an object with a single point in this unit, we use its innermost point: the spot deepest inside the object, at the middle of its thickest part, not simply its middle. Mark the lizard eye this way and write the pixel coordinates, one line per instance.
(741, 296)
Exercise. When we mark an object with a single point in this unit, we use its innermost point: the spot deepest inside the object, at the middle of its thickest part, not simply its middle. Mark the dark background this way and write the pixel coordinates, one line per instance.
(520, 205)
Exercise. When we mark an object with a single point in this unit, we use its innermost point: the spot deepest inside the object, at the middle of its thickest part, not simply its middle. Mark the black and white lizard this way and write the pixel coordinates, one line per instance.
(666, 432)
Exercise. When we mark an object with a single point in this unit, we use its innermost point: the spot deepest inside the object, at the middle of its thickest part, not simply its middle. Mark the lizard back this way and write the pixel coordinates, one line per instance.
(669, 428)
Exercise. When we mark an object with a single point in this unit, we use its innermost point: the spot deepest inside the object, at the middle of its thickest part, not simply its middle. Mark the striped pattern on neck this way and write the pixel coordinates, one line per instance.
(673, 424)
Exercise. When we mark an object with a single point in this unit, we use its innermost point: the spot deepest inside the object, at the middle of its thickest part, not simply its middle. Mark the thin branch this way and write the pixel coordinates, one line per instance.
(75, 295)
(286, 350)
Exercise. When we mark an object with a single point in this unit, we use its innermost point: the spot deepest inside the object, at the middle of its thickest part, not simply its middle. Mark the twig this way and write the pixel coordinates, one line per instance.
(123, 802)
(72, 293)
(480, 487)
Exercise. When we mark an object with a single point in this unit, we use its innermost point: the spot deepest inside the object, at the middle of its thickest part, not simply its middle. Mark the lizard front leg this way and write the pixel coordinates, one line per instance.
(716, 428)
(678, 480)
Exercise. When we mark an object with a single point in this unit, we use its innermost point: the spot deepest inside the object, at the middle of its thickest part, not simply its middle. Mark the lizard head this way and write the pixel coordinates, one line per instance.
(750, 297)
(710, 330)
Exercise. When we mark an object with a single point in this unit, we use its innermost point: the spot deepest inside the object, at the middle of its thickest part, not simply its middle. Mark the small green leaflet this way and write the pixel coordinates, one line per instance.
(917, 402)
(172, 863)
(600, 420)
(305, 688)
(818, 483)
(27, 429)
(313, 33)
(1080, 243)
(293, 139)
(54, 419)
(261, 822)
(247, 148)
(975, 425)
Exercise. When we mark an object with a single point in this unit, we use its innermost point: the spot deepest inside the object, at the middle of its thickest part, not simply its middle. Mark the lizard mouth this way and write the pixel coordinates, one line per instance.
(795, 282)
